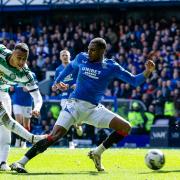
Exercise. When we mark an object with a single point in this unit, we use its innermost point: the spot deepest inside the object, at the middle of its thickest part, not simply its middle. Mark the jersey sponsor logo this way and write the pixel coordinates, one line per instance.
(13, 76)
(92, 73)
(68, 78)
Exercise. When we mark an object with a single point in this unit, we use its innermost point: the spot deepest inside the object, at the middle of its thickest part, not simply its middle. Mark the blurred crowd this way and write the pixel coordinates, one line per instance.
(128, 42)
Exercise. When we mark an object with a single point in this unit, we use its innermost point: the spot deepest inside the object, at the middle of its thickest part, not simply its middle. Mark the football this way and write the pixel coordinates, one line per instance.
(155, 159)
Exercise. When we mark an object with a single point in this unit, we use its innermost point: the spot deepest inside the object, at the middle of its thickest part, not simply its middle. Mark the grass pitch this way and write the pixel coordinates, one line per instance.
(120, 164)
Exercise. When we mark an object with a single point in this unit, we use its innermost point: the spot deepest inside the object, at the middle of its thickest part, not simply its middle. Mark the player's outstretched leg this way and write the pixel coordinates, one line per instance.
(117, 123)
(39, 147)
(96, 159)
(15, 127)
(5, 141)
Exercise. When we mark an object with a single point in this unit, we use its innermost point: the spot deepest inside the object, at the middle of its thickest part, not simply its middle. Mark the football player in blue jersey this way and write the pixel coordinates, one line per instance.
(70, 80)
(22, 111)
(94, 74)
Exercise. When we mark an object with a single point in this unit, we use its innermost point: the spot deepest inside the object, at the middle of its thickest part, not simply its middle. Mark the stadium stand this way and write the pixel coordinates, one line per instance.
(129, 40)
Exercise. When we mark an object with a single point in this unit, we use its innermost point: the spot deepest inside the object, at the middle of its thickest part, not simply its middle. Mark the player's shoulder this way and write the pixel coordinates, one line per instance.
(59, 68)
(110, 62)
(2, 47)
(82, 57)
(4, 51)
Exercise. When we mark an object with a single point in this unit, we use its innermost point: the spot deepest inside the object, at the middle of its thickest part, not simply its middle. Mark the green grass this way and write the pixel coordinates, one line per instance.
(120, 164)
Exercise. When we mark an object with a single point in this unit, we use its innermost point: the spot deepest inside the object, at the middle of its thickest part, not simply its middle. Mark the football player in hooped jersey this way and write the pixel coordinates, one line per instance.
(94, 74)
(13, 70)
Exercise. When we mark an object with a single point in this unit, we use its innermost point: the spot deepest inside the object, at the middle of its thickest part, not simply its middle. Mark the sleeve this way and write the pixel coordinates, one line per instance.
(4, 52)
(37, 98)
(124, 75)
(72, 66)
(56, 74)
(29, 80)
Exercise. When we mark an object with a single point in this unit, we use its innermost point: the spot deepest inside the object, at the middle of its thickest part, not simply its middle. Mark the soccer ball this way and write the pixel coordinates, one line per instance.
(155, 159)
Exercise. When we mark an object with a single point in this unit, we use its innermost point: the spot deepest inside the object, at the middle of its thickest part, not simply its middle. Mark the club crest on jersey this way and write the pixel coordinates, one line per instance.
(84, 61)
(13, 76)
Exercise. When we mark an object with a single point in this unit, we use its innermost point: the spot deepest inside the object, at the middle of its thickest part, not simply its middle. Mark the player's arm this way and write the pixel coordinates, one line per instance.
(4, 52)
(37, 98)
(56, 74)
(135, 80)
(58, 83)
(33, 89)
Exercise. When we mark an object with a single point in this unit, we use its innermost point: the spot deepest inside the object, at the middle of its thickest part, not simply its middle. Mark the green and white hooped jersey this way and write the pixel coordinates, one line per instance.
(11, 76)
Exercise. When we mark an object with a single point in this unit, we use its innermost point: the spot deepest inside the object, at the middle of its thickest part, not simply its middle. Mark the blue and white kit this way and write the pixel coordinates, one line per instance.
(92, 80)
(70, 80)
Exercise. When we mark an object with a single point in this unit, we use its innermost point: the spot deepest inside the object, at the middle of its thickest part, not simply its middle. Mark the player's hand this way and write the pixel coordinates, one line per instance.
(35, 113)
(150, 66)
(54, 88)
(61, 86)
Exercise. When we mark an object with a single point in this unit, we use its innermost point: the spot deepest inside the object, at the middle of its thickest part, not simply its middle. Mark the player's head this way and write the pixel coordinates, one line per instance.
(65, 56)
(19, 56)
(96, 49)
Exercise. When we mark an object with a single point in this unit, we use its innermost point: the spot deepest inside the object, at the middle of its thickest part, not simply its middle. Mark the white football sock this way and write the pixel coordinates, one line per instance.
(23, 161)
(5, 141)
(100, 149)
(13, 125)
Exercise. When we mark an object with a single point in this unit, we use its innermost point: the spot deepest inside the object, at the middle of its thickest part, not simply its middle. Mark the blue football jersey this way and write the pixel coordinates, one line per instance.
(21, 97)
(69, 79)
(94, 77)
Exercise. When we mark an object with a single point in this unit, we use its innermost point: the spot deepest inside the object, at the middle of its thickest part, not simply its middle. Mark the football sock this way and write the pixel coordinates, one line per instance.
(39, 147)
(24, 160)
(13, 125)
(100, 149)
(5, 141)
(114, 137)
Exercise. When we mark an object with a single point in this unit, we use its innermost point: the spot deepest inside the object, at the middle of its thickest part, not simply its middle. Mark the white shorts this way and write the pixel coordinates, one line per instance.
(63, 103)
(78, 111)
(23, 110)
(6, 101)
